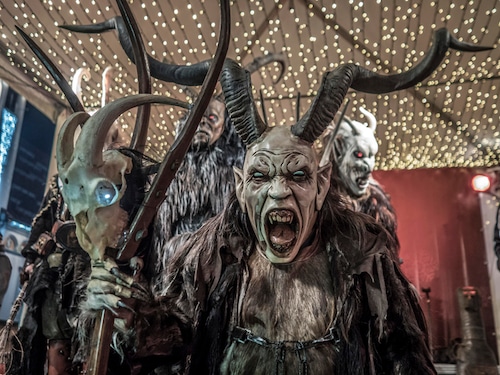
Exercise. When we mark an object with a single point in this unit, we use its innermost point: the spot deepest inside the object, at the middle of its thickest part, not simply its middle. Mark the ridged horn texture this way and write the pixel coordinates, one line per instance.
(236, 84)
(65, 87)
(336, 83)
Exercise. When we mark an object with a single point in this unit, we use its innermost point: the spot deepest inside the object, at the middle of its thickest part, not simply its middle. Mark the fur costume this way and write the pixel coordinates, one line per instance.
(374, 202)
(198, 191)
(352, 149)
(377, 326)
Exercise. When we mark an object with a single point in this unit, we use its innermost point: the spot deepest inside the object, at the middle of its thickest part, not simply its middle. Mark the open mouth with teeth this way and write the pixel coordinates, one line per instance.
(281, 229)
(362, 181)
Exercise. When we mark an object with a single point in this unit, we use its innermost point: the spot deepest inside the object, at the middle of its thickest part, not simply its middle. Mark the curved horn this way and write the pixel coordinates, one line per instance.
(263, 107)
(66, 138)
(106, 83)
(235, 82)
(76, 84)
(192, 75)
(372, 121)
(336, 83)
(56, 74)
(139, 135)
(262, 61)
(90, 143)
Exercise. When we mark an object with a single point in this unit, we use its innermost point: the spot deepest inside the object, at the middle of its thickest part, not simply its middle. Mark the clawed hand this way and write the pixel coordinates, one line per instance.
(108, 286)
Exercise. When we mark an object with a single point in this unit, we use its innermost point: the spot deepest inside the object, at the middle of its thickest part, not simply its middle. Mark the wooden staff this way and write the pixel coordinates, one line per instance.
(101, 339)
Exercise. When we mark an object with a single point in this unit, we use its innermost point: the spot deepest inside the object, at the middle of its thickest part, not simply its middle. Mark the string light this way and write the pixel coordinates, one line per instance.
(449, 120)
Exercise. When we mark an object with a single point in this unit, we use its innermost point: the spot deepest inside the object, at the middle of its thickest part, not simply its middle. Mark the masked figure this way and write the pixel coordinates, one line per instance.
(57, 269)
(351, 148)
(285, 279)
(203, 182)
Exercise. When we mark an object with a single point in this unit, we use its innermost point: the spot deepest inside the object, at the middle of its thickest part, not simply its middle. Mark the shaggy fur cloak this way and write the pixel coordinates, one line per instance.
(198, 191)
(379, 321)
(375, 203)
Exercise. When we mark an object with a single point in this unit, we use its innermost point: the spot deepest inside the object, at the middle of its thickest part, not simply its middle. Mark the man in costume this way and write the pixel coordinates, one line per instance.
(286, 278)
(57, 269)
(204, 180)
(351, 147)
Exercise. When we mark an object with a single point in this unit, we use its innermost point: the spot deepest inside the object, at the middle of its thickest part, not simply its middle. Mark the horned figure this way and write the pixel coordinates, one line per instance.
(285, 278)
(205, 179)
(97, 184)
(351, 147)
(474, 355)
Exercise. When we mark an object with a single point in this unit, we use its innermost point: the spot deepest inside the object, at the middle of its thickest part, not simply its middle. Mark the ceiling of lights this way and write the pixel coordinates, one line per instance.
(449, 120)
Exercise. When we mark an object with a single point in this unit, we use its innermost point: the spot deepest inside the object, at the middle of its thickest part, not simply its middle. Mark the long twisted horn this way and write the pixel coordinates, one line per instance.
(235, 82)
(182, 75)
(56, 74)
(193, 76)
(336, 83)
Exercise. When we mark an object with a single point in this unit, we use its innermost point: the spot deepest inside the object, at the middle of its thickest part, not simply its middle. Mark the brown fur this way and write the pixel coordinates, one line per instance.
(276, 298)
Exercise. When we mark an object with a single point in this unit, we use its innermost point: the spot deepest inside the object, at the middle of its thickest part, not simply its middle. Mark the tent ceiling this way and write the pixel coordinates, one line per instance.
(449, 120)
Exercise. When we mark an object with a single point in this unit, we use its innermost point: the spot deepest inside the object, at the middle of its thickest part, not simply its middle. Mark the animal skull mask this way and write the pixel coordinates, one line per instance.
(94, 181)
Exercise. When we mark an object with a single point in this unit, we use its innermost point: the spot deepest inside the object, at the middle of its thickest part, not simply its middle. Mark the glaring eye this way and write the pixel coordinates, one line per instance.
(299, 176)
(213, 118)
(105, 193)
(359, 154)
(258, 175)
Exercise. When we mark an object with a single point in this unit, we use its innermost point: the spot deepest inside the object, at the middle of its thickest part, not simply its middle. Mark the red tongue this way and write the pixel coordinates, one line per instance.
(282, 234)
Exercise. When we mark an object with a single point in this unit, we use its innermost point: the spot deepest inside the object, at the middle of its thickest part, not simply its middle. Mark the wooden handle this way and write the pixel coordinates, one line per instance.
(100, 345)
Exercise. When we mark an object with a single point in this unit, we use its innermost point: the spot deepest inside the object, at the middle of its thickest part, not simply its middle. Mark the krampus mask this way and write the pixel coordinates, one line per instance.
(352, 146)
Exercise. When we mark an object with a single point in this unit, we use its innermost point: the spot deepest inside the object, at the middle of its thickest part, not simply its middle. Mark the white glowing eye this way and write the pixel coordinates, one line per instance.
(105, 193)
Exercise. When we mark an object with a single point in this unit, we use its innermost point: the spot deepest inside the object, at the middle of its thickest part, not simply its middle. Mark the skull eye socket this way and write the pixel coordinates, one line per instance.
(106, 193)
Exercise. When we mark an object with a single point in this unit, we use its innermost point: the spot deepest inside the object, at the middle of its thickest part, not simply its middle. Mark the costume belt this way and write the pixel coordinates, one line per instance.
(243, 336)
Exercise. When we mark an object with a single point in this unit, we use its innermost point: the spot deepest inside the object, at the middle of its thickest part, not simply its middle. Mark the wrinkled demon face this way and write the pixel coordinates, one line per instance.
(281, 189)
(357, 150)
(211, 126)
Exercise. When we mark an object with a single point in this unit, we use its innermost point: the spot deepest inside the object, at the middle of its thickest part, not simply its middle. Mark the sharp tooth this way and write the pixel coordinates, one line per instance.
(271, 220)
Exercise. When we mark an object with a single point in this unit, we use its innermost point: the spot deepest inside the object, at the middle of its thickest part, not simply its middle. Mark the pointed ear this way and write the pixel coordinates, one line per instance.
(324, 174)
(339, 145)
(240, 194)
